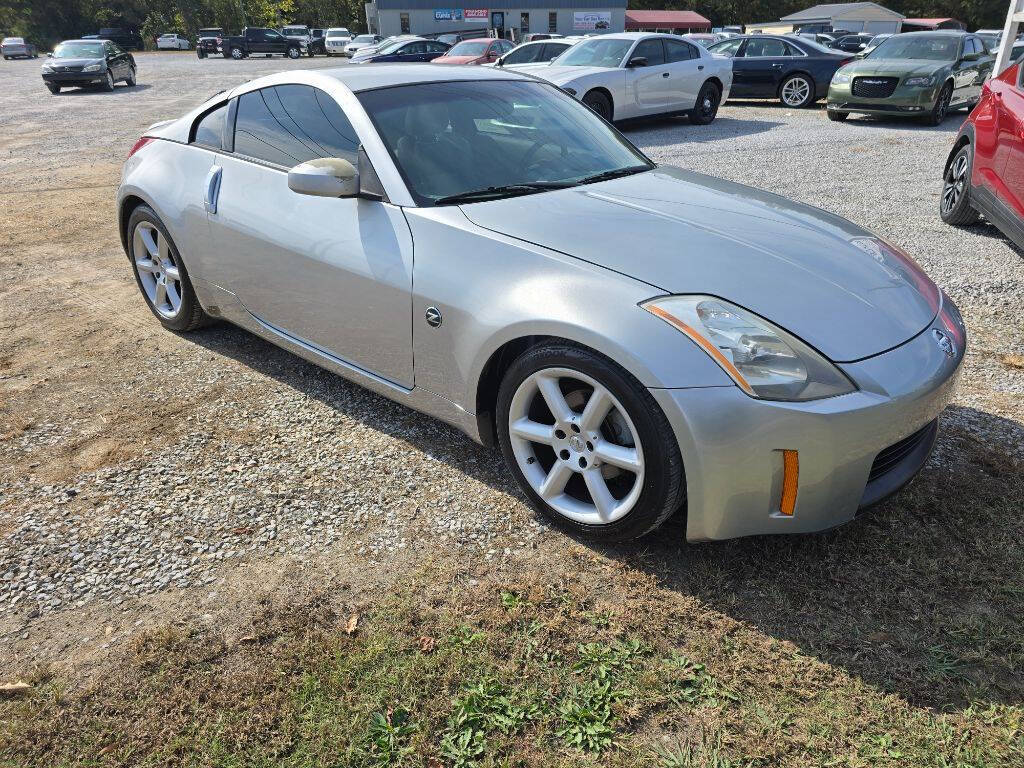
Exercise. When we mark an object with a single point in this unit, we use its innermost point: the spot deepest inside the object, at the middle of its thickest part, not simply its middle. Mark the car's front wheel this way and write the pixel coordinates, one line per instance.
(941, 108)
(108, 84)
(955, 202)
(130, 80)
(161, 274)
(600, 103)
(588, 444)
(294, 53)
(54, 89)
(797, 91)
(707, 104)
(237, 53)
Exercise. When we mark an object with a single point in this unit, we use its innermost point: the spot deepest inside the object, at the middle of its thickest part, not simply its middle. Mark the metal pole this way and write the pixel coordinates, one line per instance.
(1014, 17)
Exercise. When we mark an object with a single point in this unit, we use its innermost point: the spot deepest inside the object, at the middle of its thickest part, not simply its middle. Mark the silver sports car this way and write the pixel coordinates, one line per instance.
(476, 244)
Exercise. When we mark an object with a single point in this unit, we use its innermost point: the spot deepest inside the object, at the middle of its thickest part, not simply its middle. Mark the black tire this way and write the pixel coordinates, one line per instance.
(236, 53)
(955, 203)
(130, 80)
(190, 315)
(837, 117)
(941, 107)
(54, 89)
(309, 52)
(708, 101)
(200, 53)
(807, 100)
(600, 103)
(108, 84)
(664, 484)
(294, 53)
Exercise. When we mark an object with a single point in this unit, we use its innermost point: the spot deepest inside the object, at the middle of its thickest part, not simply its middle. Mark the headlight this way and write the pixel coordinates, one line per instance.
(570, 91)
(764, 360)
(841, 77)
(47, 68)
(92, 68)
(920, 81)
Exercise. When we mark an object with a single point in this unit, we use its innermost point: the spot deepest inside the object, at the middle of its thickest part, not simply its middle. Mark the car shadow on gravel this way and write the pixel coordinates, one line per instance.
(921, 596)
(664, 133)
(119, 90)
(950, 125)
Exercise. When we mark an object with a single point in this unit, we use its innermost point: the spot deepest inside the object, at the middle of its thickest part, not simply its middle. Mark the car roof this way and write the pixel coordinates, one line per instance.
(85, 40)
(630, 35)
(365, 77)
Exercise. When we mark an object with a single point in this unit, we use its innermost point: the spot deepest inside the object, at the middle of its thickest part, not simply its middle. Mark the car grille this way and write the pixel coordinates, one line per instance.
(68, 68)
(874, 87)
(890, 458)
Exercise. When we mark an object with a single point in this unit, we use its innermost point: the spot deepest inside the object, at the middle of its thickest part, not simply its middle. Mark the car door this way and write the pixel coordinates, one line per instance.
(649, 84)
(687, 72)
(1010, 174)
(967, 77)
(333, 273)
(434, 50)
(117, 61)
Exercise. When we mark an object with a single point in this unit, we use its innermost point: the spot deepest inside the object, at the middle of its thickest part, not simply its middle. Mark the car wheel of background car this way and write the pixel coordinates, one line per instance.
(237, 53)
(160, 273)
(797, 91)
(941, 108)
(838, 117)
(130, 80)
(294, 53)
(707, 104)
(109, 84)
(588, 444)
(955, 203)
(54, 89)
(600, 103)
(200, 53)
(309, 52)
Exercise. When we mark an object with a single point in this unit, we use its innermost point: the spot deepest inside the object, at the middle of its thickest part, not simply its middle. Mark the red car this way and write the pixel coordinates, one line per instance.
(480, 50)
(985, 171)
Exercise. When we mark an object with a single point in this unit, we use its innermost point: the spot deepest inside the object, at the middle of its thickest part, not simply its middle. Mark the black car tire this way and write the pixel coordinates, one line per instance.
(309, 52)
(130, 80)
(960, 213)
(838, 117)
(664, 484)
(294, 53)
(108, 85)
(807, 100)
(54, 89)
(200, 53)
(708, 101)
(941, 107)
(236, 53)
(191, 315)
(600, 103)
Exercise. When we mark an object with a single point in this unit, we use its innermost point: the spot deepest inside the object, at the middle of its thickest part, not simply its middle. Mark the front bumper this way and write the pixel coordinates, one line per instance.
(905, 101)
(74, 78)
(732, 444)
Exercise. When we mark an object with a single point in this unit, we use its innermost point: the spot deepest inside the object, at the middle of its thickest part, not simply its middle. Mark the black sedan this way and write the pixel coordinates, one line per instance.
(88, 62)
(851, 43)
(407, 50)
(795, 70)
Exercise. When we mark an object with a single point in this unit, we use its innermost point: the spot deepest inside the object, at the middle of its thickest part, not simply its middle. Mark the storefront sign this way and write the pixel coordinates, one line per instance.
(591, 20)
(476, 14)
(447, 14)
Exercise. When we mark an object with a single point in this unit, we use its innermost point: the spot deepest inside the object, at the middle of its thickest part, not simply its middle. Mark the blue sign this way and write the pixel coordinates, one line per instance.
(447, 14)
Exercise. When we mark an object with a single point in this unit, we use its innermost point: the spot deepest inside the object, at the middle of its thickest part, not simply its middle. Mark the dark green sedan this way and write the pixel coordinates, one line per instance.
(916, 74)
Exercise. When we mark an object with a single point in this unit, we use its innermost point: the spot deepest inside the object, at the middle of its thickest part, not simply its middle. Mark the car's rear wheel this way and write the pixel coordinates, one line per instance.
(797, 91)
(200, 53)
(161, 274)
(588, 444)
(837, 116)
(600, 103)
(955, 202)
(707, 104)
(941, 107)
(54, 89)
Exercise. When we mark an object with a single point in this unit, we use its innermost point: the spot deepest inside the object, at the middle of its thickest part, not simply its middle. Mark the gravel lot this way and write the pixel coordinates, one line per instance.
(134, 461)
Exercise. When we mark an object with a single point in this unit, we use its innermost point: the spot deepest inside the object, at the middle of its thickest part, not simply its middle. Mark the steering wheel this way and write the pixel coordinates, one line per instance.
(527, 160)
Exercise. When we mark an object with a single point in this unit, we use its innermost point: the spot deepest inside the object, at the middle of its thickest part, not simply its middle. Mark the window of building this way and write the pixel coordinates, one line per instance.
(290, 124)
(552, 21)
(404, 20)
(524, 22)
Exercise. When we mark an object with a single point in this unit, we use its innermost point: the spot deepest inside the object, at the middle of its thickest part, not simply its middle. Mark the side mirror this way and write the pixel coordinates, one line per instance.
(637, 61)
(324, 177)
(970, 57)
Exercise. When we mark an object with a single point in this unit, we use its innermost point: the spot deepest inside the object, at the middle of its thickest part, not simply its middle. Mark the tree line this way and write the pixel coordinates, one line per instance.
(47, 21)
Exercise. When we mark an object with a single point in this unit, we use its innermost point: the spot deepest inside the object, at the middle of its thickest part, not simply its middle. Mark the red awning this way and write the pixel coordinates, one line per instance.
(665, 20)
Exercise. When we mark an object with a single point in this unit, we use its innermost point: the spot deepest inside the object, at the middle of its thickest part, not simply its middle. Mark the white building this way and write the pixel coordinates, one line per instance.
(852, 17)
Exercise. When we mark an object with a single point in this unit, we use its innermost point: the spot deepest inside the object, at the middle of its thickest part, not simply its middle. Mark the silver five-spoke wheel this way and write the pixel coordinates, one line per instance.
(576, 446)
(956, 182)
(158, 271)
(795, 92)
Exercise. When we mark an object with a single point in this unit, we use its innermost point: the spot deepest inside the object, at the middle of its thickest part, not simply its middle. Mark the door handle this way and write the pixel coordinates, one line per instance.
(212, 189)
(776, 66)
(664, 74)
(700, 67)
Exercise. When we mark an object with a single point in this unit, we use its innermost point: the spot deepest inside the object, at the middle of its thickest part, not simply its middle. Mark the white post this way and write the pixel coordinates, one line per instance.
(1014, 17)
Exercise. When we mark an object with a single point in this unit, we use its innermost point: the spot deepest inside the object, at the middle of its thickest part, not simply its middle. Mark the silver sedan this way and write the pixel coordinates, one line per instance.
(636, 339)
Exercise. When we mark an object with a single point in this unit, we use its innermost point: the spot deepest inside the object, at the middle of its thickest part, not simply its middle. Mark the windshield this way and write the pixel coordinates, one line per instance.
(453, 138)
(468, 49)
(212, 32)
(295, 30)
(392, 46)
(13, 41)
(337, 33)
(78, 51)
(364, 39)
(936, 48)
(596, 53)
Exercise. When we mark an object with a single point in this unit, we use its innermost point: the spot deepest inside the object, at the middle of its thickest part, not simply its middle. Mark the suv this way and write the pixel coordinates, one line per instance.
(126, 39)
(208, 43)
(984, 174)
(299, 33)
(261, 40)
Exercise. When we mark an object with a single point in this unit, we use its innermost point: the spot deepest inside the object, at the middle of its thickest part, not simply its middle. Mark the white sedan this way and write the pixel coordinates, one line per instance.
(172, 42)
(635, 74)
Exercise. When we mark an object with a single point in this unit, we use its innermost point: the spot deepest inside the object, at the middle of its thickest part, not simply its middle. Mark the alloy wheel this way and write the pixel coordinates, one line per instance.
(236, 53)
(158, 271)
(956, 183)
(795, 92)
(576, 446)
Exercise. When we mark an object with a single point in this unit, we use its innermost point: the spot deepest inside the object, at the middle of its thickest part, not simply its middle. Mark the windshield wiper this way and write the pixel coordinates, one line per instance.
(606, 175)
(507, 190)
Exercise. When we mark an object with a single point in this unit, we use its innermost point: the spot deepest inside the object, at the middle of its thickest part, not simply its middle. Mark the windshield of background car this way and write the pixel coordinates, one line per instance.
(391, 47)
(596, 53)
(295, 31)
(78, 51)
(913, 47)
(211, 32)
(451, 138)
(468, 49)
(364, 39)
(726, 47)
(337, 33)
(12, 41)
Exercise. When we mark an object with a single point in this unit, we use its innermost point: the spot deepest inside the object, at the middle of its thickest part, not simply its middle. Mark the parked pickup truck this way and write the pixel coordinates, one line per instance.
(209, 41)
(260, 40)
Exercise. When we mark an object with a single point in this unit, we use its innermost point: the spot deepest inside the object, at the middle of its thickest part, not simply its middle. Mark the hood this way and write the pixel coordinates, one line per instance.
(459, 59)
(894, 67)
(561, 75)
(76, 63)
(814, 274)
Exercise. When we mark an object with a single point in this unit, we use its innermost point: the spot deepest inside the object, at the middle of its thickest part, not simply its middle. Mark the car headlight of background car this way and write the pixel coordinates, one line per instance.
(765, 361)
(921, 82)
(840, 77)
(47, 68)
(92, 68)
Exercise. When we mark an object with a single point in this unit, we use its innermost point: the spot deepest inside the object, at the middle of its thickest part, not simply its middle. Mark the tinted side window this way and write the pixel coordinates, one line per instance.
(650, 50)
(524, 55)
(290, 124)
(551, 50)
(676, 50)
(792, 50)
(766, 47)
(727, 48)
(210, 129)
